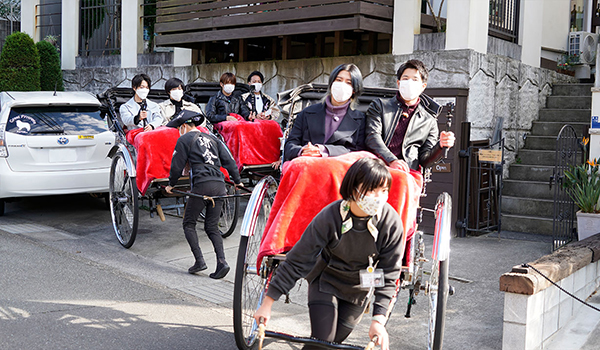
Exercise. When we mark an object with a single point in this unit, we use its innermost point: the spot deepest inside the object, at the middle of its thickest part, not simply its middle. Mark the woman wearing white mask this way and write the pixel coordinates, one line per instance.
(139, 112)
(261, 106)
(175, 104)
(332, 127)
(357, 235)
(403, 130)
(225, 103)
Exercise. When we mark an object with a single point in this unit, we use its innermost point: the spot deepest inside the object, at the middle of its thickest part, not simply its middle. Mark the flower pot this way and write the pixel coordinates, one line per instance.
(588, 224)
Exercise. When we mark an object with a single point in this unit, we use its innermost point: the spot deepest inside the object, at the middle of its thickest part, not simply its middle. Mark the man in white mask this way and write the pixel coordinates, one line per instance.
(226, 105)
(261, 105)
(139, 112)
(176, 103)
(403, 130)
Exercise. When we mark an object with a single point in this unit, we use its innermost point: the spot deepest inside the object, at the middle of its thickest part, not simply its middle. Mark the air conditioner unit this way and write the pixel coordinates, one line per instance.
(583, 45)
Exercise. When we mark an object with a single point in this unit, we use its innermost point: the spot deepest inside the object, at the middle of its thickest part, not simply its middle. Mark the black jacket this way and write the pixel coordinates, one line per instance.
(220, 106)
(309, 125)
(206, 155)
(338, 272)
(420, 145)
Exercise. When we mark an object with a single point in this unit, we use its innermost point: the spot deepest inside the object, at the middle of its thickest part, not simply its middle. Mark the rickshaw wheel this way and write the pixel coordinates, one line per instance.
(229, 213)
(123, 200)
(250, 288)
(438, 281)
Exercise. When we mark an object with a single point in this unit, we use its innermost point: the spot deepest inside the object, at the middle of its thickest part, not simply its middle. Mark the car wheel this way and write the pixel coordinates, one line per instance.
(1, 207)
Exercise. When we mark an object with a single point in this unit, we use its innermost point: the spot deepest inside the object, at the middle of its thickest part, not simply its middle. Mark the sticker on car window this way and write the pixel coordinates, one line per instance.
(23, 123)
(85, 137)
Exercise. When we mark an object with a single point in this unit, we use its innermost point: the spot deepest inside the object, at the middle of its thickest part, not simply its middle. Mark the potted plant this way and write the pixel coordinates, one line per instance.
(582, 183)
(567, 64)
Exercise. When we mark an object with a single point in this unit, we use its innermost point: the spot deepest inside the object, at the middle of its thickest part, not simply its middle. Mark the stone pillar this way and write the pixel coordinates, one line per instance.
(403, 36)
(131, 32)
(28, 19)
(69, 35)
(182, 57)
(530, 31)
(467, 25)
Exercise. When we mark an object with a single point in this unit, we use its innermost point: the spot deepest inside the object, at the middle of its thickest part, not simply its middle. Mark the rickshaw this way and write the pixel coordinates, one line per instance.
(133, 179)
(270, 219)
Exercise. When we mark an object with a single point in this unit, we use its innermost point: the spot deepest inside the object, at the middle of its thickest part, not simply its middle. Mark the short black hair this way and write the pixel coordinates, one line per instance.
(228, 78)
(366, 174)
(414, 64)
(355, 77)
(172, 84)
(138, 79)
(259, 74)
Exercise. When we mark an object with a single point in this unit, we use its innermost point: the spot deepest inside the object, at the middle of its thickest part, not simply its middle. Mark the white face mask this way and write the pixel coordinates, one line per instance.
(371, 204)
(341, 92)
(257, 87)
(142, 93)
(228, 88)
(176, 95)
(410, 89)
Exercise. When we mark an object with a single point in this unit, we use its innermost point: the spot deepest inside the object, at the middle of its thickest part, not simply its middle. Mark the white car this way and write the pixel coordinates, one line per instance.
(52, 143)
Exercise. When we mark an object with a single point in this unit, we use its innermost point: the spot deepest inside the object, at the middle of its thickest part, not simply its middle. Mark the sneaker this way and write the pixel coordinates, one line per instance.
(221, 271)
(198, 266)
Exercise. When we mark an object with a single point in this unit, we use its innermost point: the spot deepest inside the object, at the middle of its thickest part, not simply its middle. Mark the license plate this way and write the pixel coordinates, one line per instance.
(62, 155)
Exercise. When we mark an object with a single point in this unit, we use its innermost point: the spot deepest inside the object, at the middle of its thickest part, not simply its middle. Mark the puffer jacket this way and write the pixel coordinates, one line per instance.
(220, 106)
(420, 145)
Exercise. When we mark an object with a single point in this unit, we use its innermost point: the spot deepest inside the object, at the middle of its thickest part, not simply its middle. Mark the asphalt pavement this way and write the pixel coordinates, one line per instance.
(68, 284)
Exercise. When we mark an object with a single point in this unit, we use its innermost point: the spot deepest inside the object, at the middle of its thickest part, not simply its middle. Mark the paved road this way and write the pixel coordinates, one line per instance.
(71, 285)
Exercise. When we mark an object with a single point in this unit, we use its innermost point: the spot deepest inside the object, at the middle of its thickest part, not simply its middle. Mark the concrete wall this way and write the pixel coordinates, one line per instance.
(499, 86)
(557, 16)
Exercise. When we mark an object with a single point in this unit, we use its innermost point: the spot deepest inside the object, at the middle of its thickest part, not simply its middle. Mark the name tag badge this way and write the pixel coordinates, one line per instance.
(371, 278)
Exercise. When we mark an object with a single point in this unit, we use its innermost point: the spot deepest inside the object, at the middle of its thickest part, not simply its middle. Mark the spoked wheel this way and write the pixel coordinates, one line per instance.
(438, 287)
(230, 212)
(123, 201)
(250, 287)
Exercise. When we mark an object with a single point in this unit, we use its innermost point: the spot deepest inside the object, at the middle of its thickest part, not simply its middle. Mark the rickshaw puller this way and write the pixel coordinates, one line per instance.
(205, 156)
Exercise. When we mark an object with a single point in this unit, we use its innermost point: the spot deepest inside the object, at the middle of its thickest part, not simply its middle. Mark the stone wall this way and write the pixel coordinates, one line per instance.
(537, 312)
(499, 86)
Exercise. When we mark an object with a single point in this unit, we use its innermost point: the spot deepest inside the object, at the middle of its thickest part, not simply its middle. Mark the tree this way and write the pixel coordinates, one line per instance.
(19, 64)
(50, 73)
(438, 20)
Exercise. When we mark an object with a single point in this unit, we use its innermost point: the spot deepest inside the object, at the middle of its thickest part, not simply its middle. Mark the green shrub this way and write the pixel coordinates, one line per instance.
(50, 73)
(19, 64)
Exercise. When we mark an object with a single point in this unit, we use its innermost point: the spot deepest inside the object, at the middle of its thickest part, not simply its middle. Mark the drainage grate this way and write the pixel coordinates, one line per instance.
(25, 228)
(220, 292)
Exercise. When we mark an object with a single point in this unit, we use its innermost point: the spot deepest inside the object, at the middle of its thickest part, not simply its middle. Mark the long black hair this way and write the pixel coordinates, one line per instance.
(367, 174)
(355, 77)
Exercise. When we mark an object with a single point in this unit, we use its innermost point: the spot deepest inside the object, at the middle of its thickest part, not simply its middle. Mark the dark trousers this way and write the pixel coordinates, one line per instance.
(331, 319)
(193, 209)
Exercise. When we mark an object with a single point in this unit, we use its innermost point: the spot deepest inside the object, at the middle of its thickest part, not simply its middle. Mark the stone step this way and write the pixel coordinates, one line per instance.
(572, 90)
(569, 102)
(536, 157)
(527, 189)
(553, 128)
(565, 115)
(529, 224)
(524, 172)
(543, 208)
(540, 143)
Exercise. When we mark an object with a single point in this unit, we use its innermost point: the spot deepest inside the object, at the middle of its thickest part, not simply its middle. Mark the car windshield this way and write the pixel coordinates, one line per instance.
(62, 120)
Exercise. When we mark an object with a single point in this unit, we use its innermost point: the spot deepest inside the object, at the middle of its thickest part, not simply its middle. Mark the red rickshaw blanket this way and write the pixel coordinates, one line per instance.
(309, 184)
(154, 153)
(252, 143)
